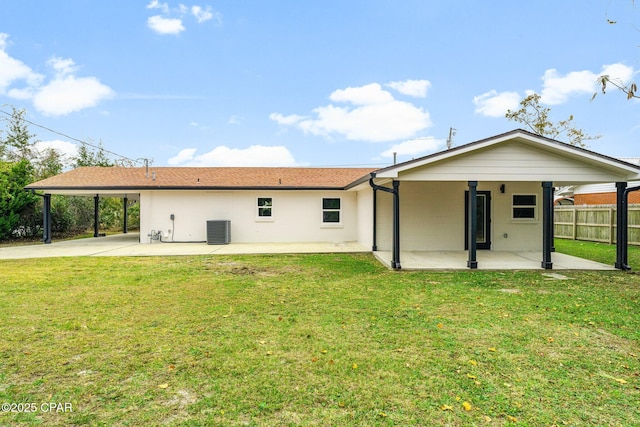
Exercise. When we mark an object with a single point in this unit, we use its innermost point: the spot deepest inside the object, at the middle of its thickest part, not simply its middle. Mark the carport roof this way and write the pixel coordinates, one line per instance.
(123, 179)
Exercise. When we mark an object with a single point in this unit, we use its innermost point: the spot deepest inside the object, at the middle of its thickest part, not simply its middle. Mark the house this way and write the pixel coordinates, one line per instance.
(600, 194)
(604, 193)
(494, 194)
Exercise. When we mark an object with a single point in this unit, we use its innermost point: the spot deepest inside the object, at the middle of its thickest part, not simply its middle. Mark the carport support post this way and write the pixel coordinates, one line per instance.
(46, 219)
(96, 219)
(621, 226)
(547, 224)
(472, 228)
(124, 220)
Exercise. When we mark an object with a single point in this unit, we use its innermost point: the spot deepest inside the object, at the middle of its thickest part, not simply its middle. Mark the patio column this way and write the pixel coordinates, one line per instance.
(46, 219)
(124, 217)
(395, 255)
(552, 237)
(547, 224)
(472, 226)
(96, 219)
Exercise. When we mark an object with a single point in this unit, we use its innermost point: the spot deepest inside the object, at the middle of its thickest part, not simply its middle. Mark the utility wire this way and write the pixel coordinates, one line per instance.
(143, 161)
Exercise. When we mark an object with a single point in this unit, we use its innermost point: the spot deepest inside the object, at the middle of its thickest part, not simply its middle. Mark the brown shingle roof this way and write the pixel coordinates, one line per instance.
(95, 178)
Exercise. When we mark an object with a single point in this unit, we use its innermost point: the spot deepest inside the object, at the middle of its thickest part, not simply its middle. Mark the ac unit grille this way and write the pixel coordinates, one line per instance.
(218, 232)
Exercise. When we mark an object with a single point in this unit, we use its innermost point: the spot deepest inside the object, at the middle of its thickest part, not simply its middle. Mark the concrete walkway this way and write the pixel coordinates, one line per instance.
(128, 245)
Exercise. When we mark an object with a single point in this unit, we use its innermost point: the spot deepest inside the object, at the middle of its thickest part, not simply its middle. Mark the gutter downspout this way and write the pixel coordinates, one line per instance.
(374, 246)
(395, 261)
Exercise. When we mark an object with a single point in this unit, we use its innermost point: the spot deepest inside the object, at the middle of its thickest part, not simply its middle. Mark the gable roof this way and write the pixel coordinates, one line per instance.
(525, 138)
(116, 180)
(94, 179)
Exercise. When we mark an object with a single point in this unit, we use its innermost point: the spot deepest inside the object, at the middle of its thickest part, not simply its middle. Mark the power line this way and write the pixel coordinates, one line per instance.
(140, 160)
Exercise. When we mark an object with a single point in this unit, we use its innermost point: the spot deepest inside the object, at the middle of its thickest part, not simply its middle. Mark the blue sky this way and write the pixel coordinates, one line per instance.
(332, 83)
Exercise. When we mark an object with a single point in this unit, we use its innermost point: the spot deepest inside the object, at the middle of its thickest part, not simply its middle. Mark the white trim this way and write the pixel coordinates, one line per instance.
(266, 218)
(535, 208)
(322, 210)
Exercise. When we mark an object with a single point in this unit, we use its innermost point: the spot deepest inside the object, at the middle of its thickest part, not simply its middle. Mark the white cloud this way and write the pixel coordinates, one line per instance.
(364, 95)
(557, 88)
(155, 4)
(63, 67)
(13, 70)
(66, 149)
(618, 72)
(67, 93)
(285, 120)
(206, 14)
(413, 147)
(183, 156)
(494, 104)
(255, 155)
(171, 21)
(63, 94)
(416, 88)
(162, 25)
(374, 115)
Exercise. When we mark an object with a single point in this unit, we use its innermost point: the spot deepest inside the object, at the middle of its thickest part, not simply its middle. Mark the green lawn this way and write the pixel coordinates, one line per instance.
(314, 340)
(600, 252)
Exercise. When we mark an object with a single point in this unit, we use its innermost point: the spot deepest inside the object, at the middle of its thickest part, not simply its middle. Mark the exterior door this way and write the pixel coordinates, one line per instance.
(483, 220)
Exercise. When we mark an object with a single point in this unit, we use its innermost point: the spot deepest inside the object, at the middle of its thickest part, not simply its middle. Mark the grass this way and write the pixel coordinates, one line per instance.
(600, 252)
(314, 340)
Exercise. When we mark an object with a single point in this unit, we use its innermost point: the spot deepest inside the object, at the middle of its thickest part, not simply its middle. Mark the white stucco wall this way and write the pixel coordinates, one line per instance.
(432, 217)
(365, 217)
(297, 215)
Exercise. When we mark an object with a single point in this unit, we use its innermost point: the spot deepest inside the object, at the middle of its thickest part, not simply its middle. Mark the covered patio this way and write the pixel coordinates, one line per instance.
(487, 204)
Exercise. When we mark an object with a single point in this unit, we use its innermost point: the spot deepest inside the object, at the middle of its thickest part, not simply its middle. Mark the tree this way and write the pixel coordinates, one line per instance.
(88, 157)
(536, 119)
(15, 203)
(49, 163)
(628, 89)
(17, 145)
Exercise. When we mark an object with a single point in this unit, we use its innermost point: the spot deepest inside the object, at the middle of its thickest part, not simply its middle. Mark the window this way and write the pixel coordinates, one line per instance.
(524, 206)
(265, 207)
(330, 211)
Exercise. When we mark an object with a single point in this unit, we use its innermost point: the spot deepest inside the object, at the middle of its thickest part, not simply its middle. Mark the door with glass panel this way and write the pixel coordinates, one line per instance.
(483, 220)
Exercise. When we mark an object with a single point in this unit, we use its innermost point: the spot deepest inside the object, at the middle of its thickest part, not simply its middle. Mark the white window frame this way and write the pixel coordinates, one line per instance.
(534, 207)
(258, 208)
(323, 210)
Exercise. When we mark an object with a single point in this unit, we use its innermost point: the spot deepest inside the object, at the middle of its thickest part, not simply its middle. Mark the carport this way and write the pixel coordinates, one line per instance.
(126, 198)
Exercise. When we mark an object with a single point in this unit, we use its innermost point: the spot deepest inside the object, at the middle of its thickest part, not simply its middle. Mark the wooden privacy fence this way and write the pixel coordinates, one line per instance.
(594, 223)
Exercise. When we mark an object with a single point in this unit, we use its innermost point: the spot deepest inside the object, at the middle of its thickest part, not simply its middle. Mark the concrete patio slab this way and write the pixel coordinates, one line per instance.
(488, 260)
